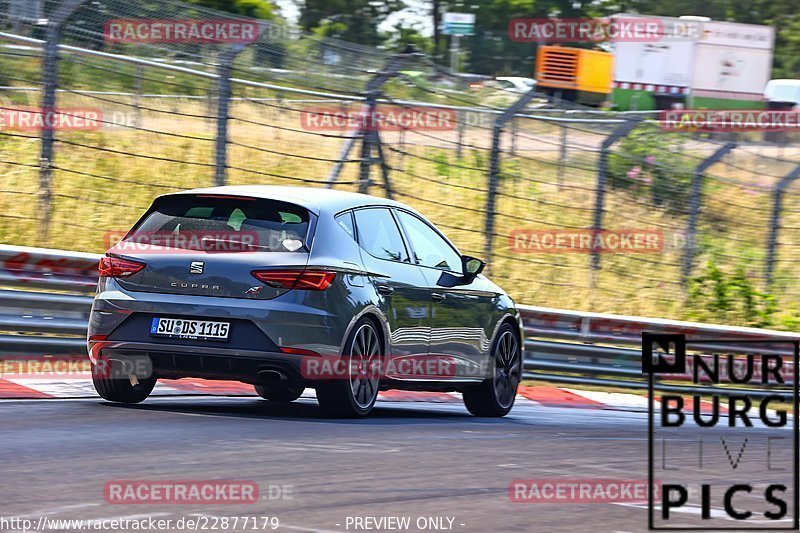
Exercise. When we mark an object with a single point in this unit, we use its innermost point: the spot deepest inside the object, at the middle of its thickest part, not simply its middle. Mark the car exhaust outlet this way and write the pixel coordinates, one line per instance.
(125, 366)
(272, 375)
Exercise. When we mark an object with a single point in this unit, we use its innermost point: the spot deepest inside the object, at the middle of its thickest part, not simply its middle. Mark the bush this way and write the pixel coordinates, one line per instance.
(715, 296)
(646, 163)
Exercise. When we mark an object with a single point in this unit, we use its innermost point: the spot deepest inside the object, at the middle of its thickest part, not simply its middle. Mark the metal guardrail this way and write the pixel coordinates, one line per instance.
(45, 299)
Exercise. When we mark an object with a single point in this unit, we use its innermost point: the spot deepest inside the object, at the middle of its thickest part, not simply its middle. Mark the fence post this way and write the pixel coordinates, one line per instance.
(775, 220)
(562, 157)
(494, 167)
(461, 116)
(48, 108)
(137, 98)
(602, 171)
(223, 105)
(367, 131)
(513, 136)
(694, 208)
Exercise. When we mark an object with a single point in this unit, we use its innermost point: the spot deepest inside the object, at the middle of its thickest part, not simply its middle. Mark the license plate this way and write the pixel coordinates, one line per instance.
(181, 328)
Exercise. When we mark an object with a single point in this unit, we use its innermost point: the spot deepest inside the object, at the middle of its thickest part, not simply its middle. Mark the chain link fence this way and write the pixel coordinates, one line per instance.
(506, 175)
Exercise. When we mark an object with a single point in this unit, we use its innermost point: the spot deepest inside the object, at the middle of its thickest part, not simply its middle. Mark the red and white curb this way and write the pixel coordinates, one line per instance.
(16, 388)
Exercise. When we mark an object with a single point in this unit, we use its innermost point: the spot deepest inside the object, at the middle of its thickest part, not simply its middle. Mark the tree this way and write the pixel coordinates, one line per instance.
(260, 9)
(404, 35)
(351, 20)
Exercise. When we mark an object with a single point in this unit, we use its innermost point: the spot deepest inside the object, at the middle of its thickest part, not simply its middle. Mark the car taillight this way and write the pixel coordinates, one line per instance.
(309, 280)
(114, 267)
(299, 351)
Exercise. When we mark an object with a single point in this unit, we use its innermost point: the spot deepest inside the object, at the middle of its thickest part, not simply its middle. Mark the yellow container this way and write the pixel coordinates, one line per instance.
(574, 69)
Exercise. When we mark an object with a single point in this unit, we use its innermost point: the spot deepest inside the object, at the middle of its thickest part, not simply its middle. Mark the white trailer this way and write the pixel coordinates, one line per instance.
(695, 59)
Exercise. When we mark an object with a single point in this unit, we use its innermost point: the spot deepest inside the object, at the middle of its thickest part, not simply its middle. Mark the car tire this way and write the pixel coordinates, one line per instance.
(279, 394)
(121, 390)
(354, 395)
(495, 396)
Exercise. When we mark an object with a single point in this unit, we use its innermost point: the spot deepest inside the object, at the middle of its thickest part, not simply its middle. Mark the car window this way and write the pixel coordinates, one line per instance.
(219, 223)
(379, 235)
(345, 221)
(430, 249)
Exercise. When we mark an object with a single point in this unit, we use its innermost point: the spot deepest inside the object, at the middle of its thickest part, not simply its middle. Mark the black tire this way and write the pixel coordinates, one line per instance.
(279, 394)
(354, 396)
(121, 390)
(495, 396)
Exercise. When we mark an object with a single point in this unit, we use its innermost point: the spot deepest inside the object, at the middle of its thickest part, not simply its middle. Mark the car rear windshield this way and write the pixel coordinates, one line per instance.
(224, 224)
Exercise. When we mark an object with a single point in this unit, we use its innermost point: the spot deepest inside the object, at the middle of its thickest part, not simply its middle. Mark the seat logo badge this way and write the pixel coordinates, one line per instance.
(253, 290)
(196, 267)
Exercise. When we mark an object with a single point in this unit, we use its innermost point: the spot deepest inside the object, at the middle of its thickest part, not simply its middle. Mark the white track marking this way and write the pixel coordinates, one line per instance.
(613, 399)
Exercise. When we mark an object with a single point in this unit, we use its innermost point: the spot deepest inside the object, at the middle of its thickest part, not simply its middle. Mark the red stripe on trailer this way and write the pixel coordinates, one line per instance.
(672, 89)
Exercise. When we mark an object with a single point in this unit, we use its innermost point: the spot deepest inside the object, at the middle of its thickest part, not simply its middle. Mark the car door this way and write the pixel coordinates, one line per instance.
(400, 284)
(462, 314)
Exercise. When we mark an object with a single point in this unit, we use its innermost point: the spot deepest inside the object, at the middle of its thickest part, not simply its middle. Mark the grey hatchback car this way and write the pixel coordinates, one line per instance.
(288, 288)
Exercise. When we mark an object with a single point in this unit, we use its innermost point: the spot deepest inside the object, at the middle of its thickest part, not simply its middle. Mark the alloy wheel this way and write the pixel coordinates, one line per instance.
(507, 369)
(364, 366)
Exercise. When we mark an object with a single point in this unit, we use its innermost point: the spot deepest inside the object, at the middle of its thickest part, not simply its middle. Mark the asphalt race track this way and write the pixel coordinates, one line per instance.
(407, 459)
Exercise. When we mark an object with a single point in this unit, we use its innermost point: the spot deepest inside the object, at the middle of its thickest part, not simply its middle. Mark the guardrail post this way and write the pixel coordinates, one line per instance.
(223, 106)
(775, 221)
(494, 167)
(367, 130)
(694, 207)
(602, 171)
(48, 108)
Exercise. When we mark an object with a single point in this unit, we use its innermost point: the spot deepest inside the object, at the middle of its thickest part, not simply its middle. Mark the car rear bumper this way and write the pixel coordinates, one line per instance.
(174, 362)
(257, 326)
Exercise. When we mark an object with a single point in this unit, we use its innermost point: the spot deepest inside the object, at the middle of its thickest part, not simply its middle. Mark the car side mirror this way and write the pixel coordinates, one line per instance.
(471, 266)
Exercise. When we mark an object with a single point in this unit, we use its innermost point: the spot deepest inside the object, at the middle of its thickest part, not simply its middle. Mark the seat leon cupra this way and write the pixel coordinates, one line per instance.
(288, 288)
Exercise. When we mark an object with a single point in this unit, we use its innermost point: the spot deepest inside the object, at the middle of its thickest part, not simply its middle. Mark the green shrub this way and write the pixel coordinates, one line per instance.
(716, 296)
(648, 164)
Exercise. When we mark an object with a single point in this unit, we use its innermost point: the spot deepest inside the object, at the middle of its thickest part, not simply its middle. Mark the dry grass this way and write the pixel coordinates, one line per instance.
(105, 179)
